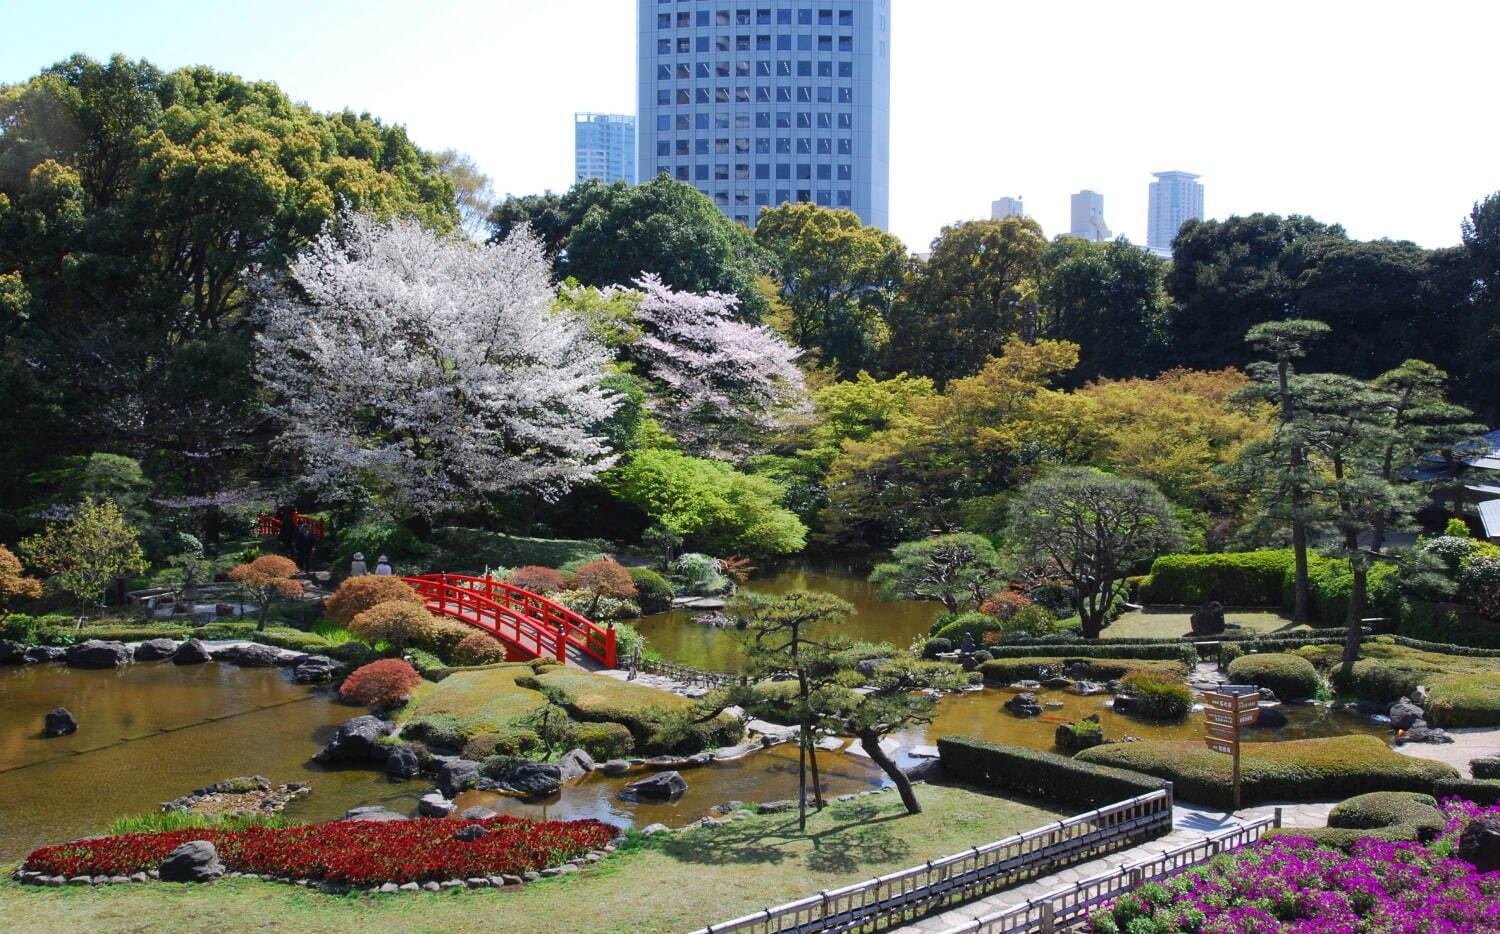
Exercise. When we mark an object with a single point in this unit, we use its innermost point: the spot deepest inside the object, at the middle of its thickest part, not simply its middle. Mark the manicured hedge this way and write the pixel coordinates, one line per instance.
(1290, 676)
(1031, 772)
(652, 591)
(1485, 767)
(1009, 670)
(468, 703)
(1177, 650)
(1481, 792)
(1418, 619)
(592, 698)
(1379, 815)
(1250, 578)
(1464, 700)
(1294, 770)
(1377, 679)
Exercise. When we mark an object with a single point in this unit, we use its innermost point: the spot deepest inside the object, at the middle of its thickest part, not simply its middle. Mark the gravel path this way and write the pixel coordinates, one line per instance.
(1468, 743)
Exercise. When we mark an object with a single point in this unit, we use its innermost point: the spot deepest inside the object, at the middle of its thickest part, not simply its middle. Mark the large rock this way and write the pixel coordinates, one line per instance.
(476, 813)
(194, 861)
(46, 653)
(253, 655)
(1404, 713)
(1085, 734)
(534, 779)
(191, 652)
(1209, 619)
(373, 812)
(435, 805)
(470, 833)
(616, 767)
(402, 763)
(154, 650)
(663, 786)
(12, 653)
(574, 763)
(314, 669)
(357, 740)
(1086, 688)
(59, 722)
(96, 653)
(1420, 732)
(1024, 705)
(1270, 718)
(456, 775)
(867, 666)
(1480, 844)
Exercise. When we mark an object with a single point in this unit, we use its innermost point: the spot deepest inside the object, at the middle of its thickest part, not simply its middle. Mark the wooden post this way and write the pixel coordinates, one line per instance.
(1225, 712)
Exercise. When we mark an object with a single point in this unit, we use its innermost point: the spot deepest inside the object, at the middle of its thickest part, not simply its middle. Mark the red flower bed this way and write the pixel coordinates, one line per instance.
(356, 852)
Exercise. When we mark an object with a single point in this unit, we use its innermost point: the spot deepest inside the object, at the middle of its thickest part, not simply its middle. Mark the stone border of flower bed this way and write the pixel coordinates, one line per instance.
(576, 864)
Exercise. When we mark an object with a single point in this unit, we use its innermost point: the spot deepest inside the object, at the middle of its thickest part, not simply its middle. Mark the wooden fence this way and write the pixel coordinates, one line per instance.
(1068, 908)
(900, 896)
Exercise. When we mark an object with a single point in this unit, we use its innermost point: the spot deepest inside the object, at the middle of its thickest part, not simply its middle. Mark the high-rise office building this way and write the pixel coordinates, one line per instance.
(1007, 207)
(604, 147)
(1176, 198)
(759, 102)
(1088, 217)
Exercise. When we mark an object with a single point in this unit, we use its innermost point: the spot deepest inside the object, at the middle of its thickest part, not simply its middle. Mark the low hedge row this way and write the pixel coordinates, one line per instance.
(1439, 623)
(1393, 816)
(1481, 792)
(1293, 770)
(1071, 637)
(1378, 680)
(1464, 700)
(1177, 650)
(1010, 670)
(1250, 578)
(1039, 774)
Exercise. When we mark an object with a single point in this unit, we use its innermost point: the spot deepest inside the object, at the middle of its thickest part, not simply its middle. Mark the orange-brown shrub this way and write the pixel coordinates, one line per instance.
(535, 578)
(357, 594)
(1004, 604)
(605, 579)
(444, 638)
(380, 684)
(398, 622)
(479, 648)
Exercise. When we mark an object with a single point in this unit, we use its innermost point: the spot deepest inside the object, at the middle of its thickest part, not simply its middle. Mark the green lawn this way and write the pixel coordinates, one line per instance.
(674, 882)
(1160, 624)
(480, 701)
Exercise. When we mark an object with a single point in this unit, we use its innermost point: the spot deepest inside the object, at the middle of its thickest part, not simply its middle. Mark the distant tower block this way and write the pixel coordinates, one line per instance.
(1088, 217)
(1006, 207)
(1176, 198)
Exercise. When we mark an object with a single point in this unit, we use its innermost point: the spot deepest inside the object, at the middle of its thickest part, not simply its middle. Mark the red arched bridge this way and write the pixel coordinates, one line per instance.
(530, 625)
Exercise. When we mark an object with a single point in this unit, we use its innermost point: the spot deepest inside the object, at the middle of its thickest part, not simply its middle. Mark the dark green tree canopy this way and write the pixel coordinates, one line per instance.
(1108, 299)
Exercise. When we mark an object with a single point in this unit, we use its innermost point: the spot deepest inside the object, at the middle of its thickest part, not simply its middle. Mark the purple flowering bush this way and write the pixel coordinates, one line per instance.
(1291, 885)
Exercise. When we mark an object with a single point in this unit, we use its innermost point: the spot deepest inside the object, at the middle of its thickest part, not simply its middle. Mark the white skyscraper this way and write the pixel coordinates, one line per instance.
(1088, 217)
(1176, 198)
(1006, 207)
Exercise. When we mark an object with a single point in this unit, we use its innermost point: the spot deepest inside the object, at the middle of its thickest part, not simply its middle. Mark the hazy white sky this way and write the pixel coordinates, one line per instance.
(1375, 114)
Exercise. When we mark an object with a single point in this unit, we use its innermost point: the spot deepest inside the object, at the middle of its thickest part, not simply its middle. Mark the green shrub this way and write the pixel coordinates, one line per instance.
(1485, 767)
(1290, 676)
(972, 624)
(1251, 578)
(435, 730)
(19, 627)
(1293, 770)
(935, 647)
(1433, 622)
(457, 550)
(652, 591)
(1379, 680)
(1380, 815)
(515, 741)
(699, 575)
(425, 662)
(1464, 700)
(1482, 792)
(1175, 650)
(591, 698)
(1030, 772)
(598, 609)
(1010, 670)
(294, 639)
(982, 656)
(628, 641)
(474, 701)
(1163, 696)
(397, 543)
(297, 614)
(129, 631)
(604, 740)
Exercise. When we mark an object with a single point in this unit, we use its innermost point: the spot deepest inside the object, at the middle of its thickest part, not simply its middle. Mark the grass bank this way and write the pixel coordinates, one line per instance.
(675, 882)
(1175, 622)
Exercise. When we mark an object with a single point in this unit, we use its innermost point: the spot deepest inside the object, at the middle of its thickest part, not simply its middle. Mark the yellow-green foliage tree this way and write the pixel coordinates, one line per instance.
(87, 553)
(14, 584)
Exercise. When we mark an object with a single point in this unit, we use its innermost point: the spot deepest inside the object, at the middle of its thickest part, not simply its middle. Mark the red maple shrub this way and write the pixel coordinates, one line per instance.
(355, 852)
(536, 579)
(1004, 604)
(357, 594)
(380, 684)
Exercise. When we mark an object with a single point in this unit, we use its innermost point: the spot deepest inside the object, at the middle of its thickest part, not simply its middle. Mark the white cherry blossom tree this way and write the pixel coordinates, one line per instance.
(719, 380)
(429, 369)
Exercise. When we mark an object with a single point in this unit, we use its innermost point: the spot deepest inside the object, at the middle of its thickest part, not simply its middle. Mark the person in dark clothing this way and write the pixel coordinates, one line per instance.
(306, 542)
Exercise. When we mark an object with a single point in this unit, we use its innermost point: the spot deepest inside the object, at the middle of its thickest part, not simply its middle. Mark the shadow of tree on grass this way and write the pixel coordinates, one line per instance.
(857, 840)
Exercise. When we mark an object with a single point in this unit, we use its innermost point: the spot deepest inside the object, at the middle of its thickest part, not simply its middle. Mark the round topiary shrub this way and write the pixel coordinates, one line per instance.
(1160, 695)
(1378, 680)
(1290, 676)
(972, 624)
(652, 592)
(936, 647)
(398, 622)
(604, 740)
(479, 648)
(514, 741)
(357, 594)
(537, 579)
(444, 638)
(380, 684)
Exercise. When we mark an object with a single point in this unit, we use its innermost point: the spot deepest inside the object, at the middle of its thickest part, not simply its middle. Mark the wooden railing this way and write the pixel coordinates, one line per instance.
(1069, 907)
(543, 627)
(901, 896)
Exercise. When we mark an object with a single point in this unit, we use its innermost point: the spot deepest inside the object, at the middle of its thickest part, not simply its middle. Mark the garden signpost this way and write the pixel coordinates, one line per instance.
(1225, 711)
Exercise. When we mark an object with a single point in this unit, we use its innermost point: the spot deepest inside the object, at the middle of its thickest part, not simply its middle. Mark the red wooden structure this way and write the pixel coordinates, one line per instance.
(527, 622)
(270, 525)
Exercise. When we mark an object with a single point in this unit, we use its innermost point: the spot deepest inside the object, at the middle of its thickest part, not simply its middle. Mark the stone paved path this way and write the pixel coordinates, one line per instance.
(1190, 824)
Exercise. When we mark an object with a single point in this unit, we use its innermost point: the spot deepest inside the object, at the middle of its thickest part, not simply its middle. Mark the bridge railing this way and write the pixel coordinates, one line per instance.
(901, 896)
(542, 639)
(574, 629)
(270, 525)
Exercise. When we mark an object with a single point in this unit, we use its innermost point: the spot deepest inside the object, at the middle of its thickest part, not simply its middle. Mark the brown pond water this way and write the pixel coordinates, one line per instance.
(681, 640)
